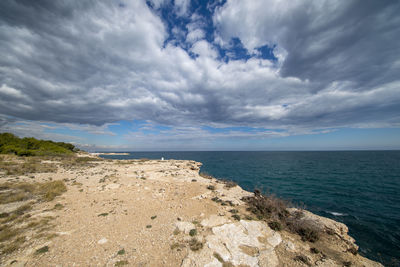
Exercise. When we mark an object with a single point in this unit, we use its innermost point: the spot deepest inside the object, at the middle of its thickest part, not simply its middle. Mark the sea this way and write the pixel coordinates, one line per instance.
(358, 188)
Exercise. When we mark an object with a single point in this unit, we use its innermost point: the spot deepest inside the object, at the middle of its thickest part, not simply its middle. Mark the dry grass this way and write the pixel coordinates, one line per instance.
(75, 162)
(274, 211)
(42, 250)
(221, 260)
(195, 244)
(229, 184)
(13, 165)
(303, 259)
(8, 233)
(50, 190)
(121, 263)
(206, 175)
(16, 225)
(124, 162)
(267, 207)
(15, 245)
(14, 192)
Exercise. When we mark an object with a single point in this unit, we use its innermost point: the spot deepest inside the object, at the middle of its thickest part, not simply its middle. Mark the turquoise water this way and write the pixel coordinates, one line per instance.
(358, 188)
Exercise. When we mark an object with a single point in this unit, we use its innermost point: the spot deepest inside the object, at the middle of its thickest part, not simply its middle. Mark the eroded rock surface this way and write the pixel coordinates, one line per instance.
(248, 243)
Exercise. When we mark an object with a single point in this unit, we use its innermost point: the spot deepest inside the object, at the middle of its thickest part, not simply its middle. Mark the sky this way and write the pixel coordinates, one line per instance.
(176, 75)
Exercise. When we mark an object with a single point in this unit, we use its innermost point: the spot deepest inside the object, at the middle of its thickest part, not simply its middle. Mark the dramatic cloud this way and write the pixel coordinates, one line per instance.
(324, 41)
(302, 65)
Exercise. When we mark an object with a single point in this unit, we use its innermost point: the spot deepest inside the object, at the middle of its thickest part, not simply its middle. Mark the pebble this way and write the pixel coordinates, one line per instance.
(102, 241)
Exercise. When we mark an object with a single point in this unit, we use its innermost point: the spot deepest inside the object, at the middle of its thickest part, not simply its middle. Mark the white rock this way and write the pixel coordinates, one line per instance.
(268, 258)
(290, 246)
(214, 263)
(275, 239)
(236, 243)
(102, 241)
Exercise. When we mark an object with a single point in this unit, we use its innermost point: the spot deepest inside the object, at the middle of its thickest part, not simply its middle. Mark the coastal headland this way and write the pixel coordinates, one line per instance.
(83, 210)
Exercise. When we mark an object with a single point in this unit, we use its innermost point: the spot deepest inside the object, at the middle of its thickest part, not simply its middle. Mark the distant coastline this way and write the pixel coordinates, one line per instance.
(111, 153)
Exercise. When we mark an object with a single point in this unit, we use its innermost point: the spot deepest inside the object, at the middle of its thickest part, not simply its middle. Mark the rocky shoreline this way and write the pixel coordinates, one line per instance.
(161, 213)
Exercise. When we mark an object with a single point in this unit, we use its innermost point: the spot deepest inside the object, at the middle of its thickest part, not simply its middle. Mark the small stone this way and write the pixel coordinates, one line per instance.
(290, 246)
(102, 241)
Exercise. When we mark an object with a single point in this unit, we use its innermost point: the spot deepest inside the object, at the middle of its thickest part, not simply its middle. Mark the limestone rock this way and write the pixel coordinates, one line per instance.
(290, 246)
(323, 223)
(249, 243)
(102, 241)
(214, 220)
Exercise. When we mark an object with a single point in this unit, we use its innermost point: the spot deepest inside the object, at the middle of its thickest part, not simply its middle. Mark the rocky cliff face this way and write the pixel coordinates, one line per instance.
(231, 241)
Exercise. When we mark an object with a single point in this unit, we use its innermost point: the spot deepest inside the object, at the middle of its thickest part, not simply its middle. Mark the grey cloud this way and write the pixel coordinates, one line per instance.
(326, 41)
(96, 62)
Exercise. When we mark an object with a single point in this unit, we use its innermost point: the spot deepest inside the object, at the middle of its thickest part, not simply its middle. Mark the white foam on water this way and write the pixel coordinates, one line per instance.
(336, 213)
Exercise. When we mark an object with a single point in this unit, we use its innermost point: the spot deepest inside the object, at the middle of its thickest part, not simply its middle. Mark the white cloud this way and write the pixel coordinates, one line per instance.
(195, 35)
(11, 92)
(182, 7)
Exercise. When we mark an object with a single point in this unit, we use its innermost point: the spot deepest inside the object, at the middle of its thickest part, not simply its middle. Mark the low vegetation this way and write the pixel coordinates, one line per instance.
(275, 211)
(229, 184)
(47, 191)
(303, 259)
(18, 226)
(193, 232)
(211, 187)
(11, 144)
(206, 175)
(121, 263)
(42, 250)
(221, 260)
(195, 244)
(12, 165)
(78, 162)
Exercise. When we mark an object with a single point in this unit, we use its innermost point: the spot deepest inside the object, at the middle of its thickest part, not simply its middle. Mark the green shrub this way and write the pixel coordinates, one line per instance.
(211, 187)
(276, 226)
(193, 232)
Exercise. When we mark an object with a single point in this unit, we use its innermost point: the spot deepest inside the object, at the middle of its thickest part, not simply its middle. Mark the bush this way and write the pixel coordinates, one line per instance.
(211, 187)
(229, 184)
(267, 207)
(306, 229)
(276, 226)
(303, 259)
(193, 232)
(195, 244)
(274, 211)
(206, 175)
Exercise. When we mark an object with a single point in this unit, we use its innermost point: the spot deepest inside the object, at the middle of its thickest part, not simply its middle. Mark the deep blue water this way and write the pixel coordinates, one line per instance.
(358, 188)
